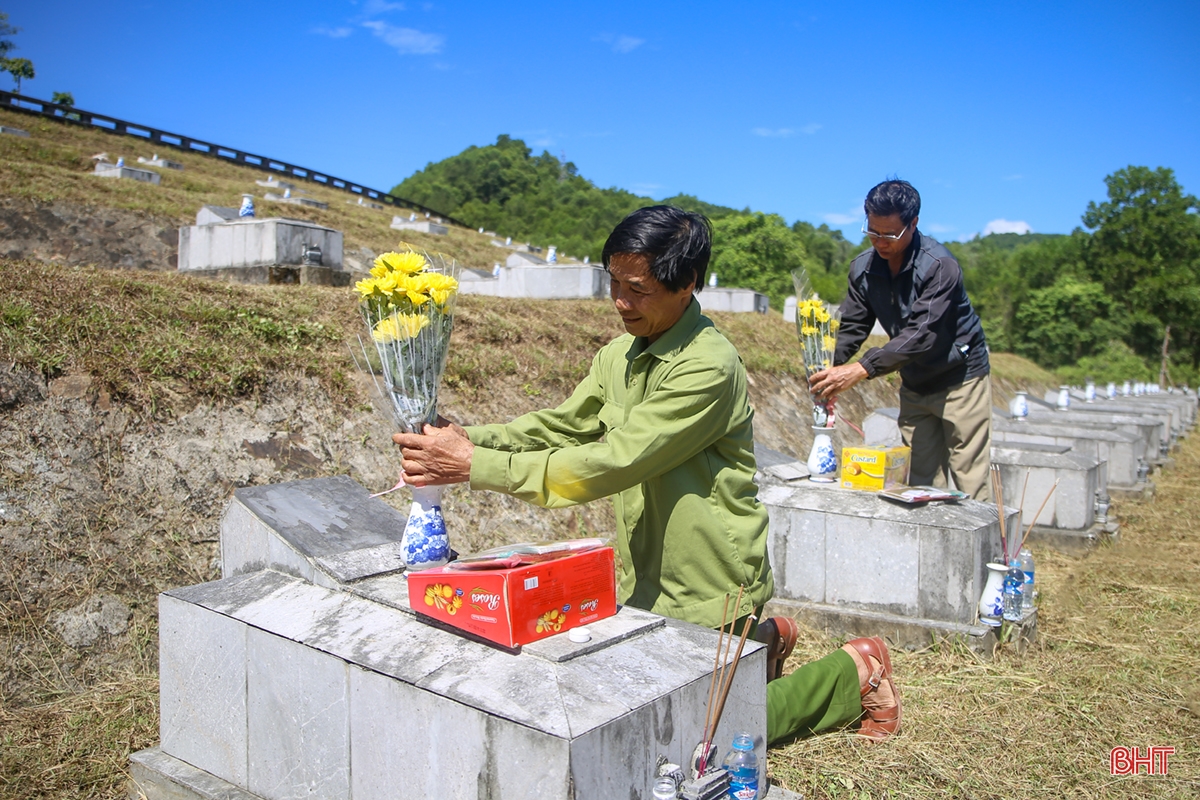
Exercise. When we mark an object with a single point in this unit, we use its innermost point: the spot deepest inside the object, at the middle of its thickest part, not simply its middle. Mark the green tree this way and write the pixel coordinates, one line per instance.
(758, 251)
(1064, 322)
(1146, 253)
(19, 68)
(63, 98)
(6, 44)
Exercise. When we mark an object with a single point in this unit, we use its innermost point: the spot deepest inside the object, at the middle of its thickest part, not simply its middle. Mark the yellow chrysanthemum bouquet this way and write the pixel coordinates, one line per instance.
(817, 325)
(408, 305)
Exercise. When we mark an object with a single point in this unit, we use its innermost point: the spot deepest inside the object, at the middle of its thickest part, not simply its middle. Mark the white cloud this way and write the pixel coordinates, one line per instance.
(1006, 226)
(811, 128)
(936, 228)
(333, 33)
(407, 41)
(841, 219)
(620, 44)
(781, 133)
(627, 44)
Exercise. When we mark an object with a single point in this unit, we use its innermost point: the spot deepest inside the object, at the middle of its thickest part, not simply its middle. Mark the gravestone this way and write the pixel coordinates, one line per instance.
(260, 250)
(162, 163)
(296, 201)
(855, 563)
(1123, 451)
(275, 183)
(1067, 519)
(421, 225)
(14, 131)
(304, 673)
(105, 169)
(728, 299)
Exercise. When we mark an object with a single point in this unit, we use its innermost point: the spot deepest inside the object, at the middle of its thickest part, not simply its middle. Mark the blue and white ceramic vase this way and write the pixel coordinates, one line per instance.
(1019, 408)
(822, 460)
(1112, 390)
(991, 603)
(1064, 398)
(247, 208)
(425, 543)
(1089, 391)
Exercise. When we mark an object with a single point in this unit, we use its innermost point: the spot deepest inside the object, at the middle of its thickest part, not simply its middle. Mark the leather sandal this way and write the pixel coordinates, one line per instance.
(780, 638)
(879, 723)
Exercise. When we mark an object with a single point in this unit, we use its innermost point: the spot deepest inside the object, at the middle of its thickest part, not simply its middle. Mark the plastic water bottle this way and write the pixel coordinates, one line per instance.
(1014, 581)
(742, 764)
(1026, 559)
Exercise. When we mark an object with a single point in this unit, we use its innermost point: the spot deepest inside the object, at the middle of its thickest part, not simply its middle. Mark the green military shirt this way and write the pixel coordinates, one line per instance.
(665, 428)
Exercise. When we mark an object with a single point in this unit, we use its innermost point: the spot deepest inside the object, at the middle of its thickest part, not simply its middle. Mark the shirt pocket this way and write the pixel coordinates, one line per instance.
(612, 416)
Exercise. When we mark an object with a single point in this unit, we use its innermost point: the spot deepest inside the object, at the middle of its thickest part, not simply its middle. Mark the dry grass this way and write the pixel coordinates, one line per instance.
(1114, 665)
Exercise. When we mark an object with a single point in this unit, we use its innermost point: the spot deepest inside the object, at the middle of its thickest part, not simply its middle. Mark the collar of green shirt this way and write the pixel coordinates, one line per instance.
(667, 346)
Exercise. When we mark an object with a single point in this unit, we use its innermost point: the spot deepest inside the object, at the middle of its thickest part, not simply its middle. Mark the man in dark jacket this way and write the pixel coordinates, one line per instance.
(913, 286)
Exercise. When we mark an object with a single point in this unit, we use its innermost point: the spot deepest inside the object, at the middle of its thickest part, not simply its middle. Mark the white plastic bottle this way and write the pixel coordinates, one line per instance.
(742, 764)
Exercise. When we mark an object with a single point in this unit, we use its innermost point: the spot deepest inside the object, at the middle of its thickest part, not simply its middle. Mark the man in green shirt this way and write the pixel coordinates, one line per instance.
(663, 424)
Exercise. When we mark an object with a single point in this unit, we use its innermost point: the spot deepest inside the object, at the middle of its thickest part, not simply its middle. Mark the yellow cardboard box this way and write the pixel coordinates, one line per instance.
(874, 468)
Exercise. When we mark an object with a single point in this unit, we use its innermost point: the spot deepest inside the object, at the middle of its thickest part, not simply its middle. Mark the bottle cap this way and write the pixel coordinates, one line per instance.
(743, 742)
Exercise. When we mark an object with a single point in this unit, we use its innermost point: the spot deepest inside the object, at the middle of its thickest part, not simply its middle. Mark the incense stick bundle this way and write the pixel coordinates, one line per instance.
(998, 494)
(737, 657)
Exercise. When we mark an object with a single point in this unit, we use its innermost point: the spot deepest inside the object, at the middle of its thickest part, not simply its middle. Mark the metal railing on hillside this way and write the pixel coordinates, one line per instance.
(275, 166)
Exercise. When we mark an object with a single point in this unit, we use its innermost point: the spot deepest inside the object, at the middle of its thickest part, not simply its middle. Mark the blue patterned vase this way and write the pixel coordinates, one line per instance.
(991, 602)
(247, 209)
(425, 543)
(822, 461)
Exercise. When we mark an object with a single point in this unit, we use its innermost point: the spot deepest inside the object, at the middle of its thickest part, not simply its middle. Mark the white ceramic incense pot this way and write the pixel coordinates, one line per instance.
(1064, 398)
(991, 603)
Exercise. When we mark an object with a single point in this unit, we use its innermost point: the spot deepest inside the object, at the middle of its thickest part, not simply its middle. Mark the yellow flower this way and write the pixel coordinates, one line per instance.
(365, 288)
(829, 342)
(399, 326)
(412, 288)
(405, 263)
(834, 324)
(808, 330)
(826, 363)
(379, 271)
(822, 315)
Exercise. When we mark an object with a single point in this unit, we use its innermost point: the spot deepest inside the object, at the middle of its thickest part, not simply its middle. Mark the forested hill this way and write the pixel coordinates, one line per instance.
(505, 188)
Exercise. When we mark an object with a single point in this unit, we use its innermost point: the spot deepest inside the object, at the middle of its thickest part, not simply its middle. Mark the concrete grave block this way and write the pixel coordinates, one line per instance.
(420, 225)
(107, 170)
(14, 131)
(259, 250)
(864, 565)
(202, 688)
(298, 709)
(728, 299)
(1120, 450)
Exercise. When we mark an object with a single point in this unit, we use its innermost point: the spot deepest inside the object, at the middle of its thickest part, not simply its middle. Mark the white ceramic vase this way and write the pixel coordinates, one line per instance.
(1064, 398)
(991, 603)
(822, 460)
(425, 543)
(1089, 392)
(1019, 407)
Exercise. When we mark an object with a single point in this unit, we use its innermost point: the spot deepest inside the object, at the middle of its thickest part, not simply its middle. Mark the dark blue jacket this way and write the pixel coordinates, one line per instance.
(937, 340)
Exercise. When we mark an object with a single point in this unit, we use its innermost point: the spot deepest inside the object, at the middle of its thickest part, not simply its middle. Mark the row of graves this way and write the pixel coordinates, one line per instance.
(318, 667)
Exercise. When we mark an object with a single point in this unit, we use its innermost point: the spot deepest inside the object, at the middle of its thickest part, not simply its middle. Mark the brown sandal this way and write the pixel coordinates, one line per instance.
(780, 641)
(882, 722)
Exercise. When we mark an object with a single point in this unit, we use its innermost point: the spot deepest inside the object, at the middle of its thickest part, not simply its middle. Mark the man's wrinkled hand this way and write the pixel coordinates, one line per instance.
(833, 381)
(436, 457)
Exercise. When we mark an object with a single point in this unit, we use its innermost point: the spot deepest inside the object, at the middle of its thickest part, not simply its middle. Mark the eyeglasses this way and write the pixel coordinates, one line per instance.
(891, 237)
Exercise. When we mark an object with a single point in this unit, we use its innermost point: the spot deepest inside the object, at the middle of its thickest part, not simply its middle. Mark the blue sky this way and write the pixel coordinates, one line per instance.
(996, 112)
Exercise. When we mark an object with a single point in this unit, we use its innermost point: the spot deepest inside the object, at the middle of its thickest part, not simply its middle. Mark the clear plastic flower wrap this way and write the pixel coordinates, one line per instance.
(408, 307)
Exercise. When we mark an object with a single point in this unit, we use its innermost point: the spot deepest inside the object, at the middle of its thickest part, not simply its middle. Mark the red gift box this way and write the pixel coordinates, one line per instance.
(519, 604)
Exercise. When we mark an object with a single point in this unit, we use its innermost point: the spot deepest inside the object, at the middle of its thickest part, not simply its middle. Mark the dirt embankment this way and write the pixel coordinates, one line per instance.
(68, 233)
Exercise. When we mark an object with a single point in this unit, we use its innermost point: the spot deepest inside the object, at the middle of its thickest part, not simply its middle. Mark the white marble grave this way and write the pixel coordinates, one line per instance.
(259, 250)
(303, 673)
